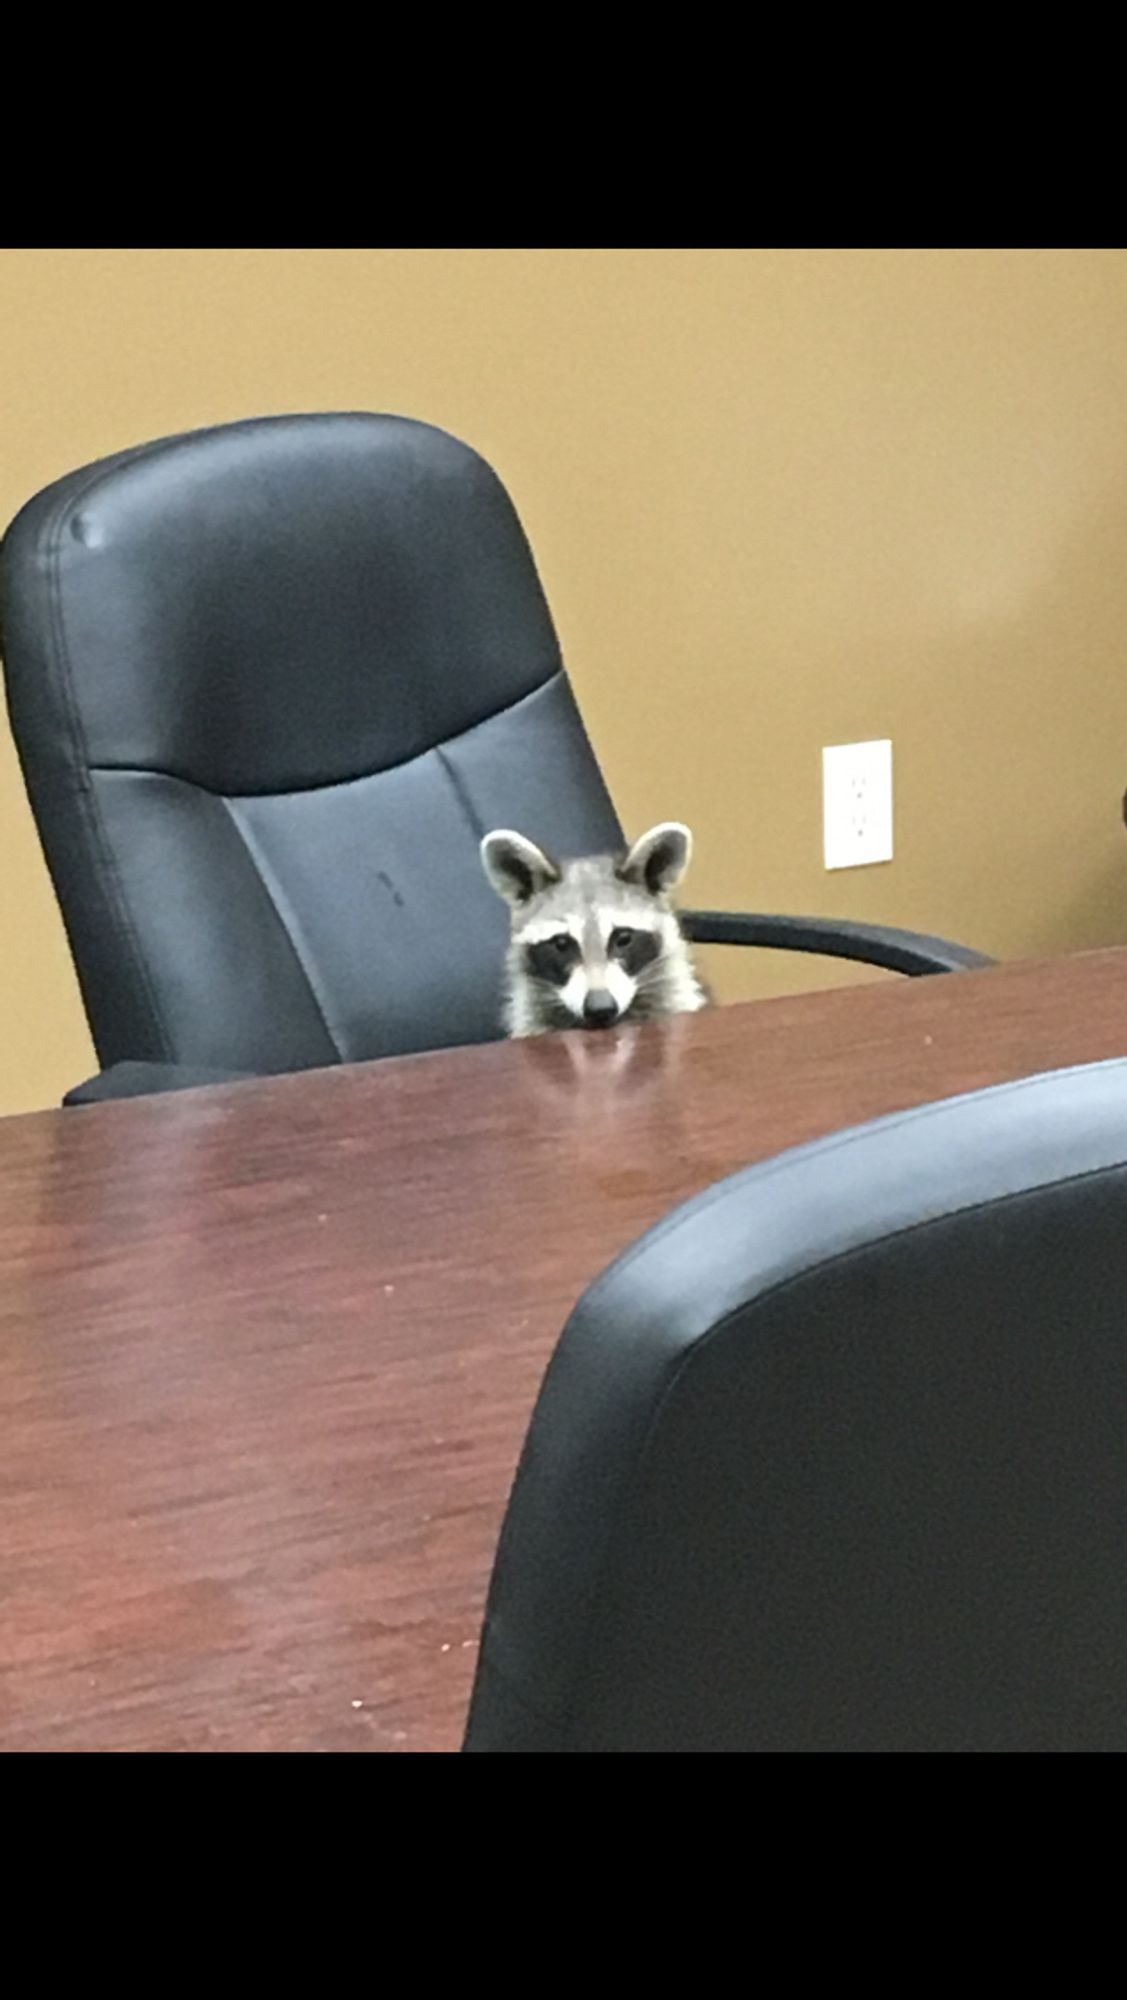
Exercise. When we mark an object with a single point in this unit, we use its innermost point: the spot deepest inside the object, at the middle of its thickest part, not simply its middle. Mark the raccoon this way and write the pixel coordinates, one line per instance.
(594, 940)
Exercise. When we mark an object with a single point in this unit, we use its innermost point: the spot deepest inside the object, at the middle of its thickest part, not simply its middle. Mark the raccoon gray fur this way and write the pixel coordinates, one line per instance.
(595, 940)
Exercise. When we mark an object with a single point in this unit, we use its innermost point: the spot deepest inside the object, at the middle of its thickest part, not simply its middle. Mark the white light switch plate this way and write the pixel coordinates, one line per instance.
(857, 804)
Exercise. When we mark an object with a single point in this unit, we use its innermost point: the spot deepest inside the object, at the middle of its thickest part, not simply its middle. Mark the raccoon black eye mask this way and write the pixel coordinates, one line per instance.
(594, 940)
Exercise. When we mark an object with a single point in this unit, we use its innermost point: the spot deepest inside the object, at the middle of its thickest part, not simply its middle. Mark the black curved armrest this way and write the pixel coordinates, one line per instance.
(145, 1079)
(833, 937)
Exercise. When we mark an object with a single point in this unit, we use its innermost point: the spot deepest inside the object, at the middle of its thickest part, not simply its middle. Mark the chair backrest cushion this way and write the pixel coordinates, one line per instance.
(269, 684)
(833, 1458)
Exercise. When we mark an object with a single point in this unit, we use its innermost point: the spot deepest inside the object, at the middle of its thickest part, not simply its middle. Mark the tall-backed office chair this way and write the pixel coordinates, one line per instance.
(270, 683)
(833, 1458)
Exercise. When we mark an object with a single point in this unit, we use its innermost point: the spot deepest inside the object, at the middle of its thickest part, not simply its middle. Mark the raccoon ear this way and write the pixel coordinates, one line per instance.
(516, 867)
(659, 859)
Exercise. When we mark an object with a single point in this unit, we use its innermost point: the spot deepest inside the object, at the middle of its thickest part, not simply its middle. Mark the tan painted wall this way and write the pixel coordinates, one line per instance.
(778, 498)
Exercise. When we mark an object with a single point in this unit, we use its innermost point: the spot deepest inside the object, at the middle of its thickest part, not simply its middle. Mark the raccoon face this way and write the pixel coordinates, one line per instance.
(590, 976)
(591, 939)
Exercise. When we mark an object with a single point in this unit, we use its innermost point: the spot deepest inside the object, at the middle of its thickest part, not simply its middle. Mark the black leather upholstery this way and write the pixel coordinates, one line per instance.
(270, 683)
(142, 1079)
(833, 1458)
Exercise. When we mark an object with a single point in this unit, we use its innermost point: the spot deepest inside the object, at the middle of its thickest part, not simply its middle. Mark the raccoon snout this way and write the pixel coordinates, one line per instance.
(599, 1010)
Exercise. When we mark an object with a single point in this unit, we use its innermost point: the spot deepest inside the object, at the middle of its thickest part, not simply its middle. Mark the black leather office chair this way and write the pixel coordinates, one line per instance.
(270, 683)
(834, 1459)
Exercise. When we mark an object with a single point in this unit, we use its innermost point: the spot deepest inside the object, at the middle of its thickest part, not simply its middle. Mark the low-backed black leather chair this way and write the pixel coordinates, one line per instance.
(270, 683)
(833, 1458)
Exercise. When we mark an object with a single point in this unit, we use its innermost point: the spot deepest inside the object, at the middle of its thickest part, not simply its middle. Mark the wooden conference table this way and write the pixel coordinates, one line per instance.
(267, 1353)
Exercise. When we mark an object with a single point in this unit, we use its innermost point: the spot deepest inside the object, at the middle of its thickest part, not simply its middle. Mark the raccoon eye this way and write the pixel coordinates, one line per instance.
(622, 939)
(562, 942)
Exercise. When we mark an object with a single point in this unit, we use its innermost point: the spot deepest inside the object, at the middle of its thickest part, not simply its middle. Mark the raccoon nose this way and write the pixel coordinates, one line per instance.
(599, 1010)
